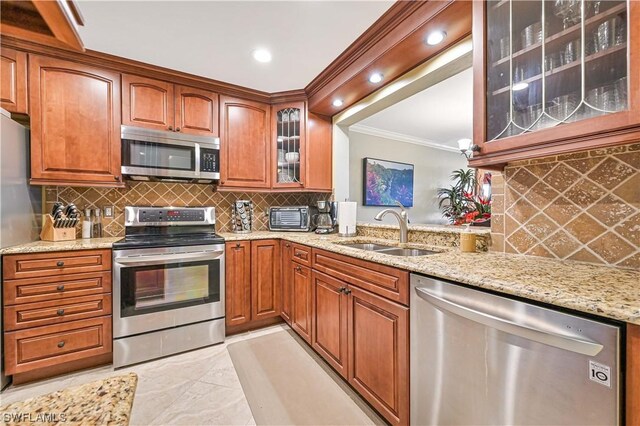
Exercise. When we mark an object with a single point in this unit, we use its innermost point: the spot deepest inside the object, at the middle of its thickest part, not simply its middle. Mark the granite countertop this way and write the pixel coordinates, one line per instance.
(445, 229)
(601, 290)
(103, 402)
(48, 246)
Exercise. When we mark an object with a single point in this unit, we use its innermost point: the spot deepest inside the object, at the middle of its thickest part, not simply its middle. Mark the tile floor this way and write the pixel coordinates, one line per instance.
(194, 388)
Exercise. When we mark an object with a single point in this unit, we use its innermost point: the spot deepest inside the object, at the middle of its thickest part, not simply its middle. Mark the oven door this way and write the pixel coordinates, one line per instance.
(166, 287)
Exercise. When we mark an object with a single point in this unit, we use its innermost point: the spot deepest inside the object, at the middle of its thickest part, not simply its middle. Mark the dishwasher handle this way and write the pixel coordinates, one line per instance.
(562, 341)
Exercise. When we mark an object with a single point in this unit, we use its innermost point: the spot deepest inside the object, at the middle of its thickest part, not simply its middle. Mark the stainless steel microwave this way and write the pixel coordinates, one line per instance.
(291, 218)
(162, 155)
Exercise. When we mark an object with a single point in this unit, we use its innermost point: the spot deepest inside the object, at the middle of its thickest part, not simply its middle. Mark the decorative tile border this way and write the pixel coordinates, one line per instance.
(583, 206)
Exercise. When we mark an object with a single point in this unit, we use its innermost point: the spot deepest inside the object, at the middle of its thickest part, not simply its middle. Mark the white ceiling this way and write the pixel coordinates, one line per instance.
(441, 114)
(215, 39)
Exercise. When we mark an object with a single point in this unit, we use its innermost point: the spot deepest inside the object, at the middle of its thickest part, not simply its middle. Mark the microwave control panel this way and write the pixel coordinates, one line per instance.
(209, 160)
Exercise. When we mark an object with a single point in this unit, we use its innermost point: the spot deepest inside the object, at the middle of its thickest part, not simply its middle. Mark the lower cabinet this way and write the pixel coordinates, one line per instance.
(252, 284)
(287, 282)
(301, 307)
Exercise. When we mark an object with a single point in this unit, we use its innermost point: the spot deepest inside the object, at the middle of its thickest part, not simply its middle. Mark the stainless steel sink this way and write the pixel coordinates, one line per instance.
(391, 250)
(406, 252)
(367, 246)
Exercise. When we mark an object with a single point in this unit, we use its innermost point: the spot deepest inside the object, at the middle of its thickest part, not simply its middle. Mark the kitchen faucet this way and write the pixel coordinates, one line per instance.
(403, 220)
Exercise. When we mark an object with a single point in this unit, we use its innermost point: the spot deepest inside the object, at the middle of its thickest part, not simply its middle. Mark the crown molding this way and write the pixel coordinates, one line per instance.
(400, 137)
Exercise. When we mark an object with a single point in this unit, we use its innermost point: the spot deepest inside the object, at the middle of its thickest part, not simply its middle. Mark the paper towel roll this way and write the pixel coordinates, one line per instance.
(347, 211)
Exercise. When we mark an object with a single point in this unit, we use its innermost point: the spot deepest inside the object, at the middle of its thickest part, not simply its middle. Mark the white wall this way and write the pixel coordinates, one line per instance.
(432, 170)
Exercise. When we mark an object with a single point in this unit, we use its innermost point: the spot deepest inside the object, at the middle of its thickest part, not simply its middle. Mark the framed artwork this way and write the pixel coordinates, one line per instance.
(386, 182)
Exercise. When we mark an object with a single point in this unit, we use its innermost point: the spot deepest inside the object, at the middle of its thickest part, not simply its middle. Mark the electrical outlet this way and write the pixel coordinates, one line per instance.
(108, 211)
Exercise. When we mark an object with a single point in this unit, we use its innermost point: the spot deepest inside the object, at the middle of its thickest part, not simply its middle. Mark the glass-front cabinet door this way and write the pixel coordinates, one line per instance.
(289, 140)
(557, 69)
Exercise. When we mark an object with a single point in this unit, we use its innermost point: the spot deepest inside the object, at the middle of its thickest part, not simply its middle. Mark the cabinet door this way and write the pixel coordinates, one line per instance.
(330, 321)
(75, 123)
(379, 353)
(13, 80)
(287, 282)
(237, 283)
(196, 111)
(147, 103)
(319, 153)
(288, 139)
(302, 309)
(265, 279)
(244, 144)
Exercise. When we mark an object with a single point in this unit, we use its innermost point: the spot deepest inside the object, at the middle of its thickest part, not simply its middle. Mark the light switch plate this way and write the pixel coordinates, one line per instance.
(108, 211)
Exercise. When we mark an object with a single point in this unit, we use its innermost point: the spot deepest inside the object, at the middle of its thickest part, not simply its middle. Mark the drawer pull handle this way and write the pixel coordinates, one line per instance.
(60, 263)
(61, 344)
(60, 312)
(342, 289)
(238, 245)
(60, 288)
(347, 291)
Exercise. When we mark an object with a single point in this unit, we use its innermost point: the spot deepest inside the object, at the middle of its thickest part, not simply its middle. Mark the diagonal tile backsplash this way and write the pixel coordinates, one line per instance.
(583, 206)
(159, 194)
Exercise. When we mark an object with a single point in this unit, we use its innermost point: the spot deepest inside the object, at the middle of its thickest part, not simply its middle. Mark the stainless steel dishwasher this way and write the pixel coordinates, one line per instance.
(479, 359)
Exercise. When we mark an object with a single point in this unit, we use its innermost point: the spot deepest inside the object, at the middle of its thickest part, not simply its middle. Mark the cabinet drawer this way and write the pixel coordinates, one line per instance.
(27, 315)
(57, 263)
(383, 280)
(301, 254)
(40, 347)
(55, 288)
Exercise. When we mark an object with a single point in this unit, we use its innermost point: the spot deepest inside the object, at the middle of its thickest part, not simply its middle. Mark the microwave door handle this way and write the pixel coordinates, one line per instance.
(168, 258)
(197, 165)
(558, 340)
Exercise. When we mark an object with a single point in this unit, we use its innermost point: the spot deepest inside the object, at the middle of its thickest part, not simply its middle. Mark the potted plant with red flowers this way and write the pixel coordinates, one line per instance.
(467, 201)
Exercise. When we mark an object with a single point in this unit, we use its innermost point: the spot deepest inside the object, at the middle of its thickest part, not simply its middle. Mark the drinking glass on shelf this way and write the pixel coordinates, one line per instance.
(572, 51)
(531, 35)
(504, 47)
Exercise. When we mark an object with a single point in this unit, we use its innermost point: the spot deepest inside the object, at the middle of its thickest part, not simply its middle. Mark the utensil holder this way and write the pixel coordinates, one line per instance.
(49, 233)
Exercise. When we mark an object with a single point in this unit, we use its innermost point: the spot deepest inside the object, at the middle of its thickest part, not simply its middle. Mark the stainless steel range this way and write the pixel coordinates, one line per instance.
(168, 283)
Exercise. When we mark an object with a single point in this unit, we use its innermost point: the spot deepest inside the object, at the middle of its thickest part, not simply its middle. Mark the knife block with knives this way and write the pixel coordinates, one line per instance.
(60, 225)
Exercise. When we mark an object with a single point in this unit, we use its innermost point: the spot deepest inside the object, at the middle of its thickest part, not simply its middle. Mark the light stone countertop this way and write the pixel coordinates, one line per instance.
(102, 402)
(447, 229)
(49, 246)
(601, 290)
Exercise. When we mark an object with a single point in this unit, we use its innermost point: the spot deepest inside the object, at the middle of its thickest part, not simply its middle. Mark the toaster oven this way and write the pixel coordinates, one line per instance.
(291, 218)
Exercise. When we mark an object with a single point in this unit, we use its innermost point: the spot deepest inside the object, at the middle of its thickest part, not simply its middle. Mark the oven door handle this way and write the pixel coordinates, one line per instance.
(168, 258)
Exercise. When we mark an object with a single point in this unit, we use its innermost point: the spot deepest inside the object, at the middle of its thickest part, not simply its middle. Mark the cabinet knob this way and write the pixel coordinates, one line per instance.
(170, 127)
(287, 245)
(60, 263)
(61, 344)
(238, 245)
(60, 288)
(60, 312)
(117, 178)
(298, 269)
(177, 129)
(347, 291)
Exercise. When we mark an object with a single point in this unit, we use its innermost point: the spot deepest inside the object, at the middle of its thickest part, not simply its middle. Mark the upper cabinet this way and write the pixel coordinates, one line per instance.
(162, 105)
(553, 77)
(245, 144)
(13, 80)
(75, 123)
(319, 153)
(289, 136)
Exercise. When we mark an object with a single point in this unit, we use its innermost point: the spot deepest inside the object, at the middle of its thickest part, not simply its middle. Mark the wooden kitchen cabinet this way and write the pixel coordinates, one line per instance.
(330, 324)
(287, 282)
(288, 142)
(57, 312)
(13, 80)
(245, 148)
(161, 105)
(319, 153)
(237, 283)
(302, 309)
(265, 279)
(75, 124)
(537, 93)
(379, 353)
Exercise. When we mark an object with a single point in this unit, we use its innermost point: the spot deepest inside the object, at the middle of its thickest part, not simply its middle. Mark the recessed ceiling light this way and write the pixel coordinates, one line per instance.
(337, 103)
(376, 77)
(262, 55)
(435, 37)
(520, 86)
